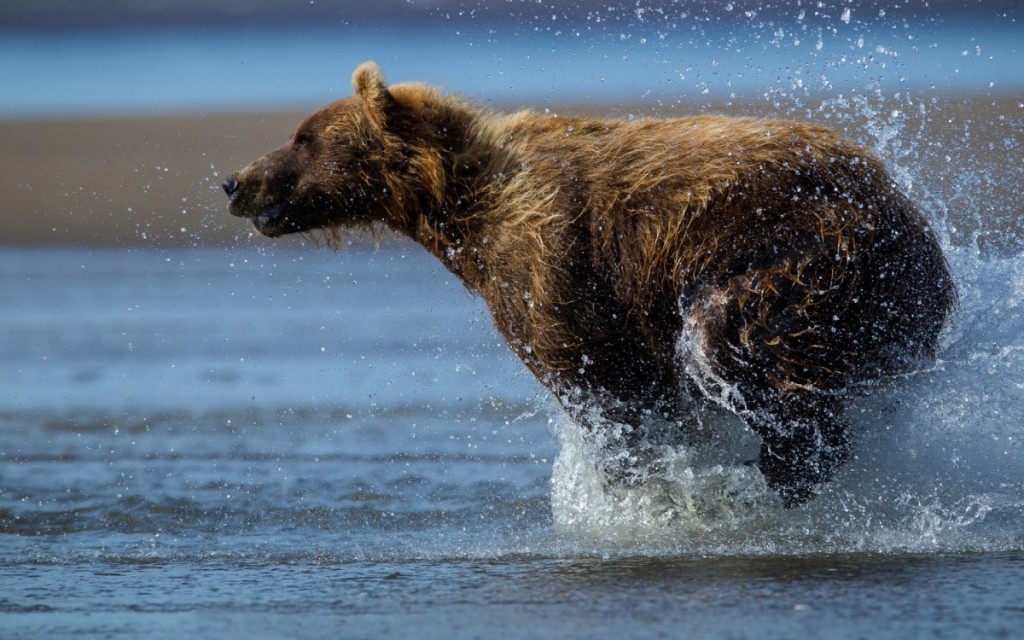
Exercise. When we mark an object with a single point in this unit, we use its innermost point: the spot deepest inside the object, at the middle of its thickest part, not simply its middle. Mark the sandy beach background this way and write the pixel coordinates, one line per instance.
(127, 181)
(154, 181)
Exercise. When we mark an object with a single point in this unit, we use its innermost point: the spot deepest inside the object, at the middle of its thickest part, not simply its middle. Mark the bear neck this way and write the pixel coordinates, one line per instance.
(458, 164)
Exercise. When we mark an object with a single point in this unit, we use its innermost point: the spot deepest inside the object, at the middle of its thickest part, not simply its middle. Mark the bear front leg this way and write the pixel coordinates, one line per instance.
(627, 453)
(622, 434)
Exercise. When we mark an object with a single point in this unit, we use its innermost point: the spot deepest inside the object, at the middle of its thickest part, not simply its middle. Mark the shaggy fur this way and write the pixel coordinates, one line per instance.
(637, 266)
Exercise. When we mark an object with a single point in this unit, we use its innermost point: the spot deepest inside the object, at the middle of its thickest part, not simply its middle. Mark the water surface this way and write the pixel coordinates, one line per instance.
(294, 443)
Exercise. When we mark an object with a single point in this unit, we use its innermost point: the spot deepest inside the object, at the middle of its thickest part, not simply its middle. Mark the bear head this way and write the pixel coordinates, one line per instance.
(352, 163)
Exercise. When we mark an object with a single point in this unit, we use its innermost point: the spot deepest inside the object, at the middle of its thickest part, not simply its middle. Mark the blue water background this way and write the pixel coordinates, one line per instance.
(118, 71)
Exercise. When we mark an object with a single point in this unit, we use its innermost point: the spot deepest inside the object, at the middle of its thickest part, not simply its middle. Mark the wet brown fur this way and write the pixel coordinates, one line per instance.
(768, 266)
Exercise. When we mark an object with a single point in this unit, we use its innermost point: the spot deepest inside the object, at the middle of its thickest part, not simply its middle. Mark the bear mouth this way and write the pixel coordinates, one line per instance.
(274, 221)
(271, 221)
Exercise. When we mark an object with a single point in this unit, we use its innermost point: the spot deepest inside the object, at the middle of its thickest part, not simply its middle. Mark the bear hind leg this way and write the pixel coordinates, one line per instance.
(738, 350)
(803, 445)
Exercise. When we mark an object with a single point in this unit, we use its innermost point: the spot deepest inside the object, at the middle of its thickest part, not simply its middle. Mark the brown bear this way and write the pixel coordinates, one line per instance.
(639, 267)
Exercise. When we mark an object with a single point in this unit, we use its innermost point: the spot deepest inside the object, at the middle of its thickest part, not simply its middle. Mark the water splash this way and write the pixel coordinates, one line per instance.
(938, 467)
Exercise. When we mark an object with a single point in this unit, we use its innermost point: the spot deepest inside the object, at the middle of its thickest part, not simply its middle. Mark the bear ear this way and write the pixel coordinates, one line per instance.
(368, 82)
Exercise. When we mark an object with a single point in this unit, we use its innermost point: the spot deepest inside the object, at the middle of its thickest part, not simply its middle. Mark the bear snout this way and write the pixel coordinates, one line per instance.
(231, 186)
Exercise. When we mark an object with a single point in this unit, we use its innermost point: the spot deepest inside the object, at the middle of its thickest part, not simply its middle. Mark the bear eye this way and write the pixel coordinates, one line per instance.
(303, 139)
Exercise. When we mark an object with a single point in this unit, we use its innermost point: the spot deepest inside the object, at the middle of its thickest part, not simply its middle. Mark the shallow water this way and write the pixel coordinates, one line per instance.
(282, 442)
(524, 597)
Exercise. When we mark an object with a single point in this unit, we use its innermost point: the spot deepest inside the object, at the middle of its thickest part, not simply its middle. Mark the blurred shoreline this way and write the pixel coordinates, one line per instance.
(153, 181)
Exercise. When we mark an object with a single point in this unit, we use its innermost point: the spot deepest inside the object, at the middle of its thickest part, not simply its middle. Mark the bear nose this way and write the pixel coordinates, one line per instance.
(231, 185)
